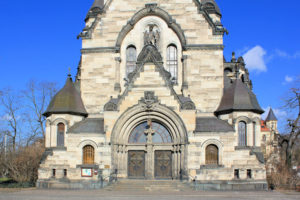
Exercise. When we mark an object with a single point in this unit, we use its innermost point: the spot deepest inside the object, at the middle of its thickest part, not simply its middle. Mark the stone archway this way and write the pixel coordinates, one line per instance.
(149, 151)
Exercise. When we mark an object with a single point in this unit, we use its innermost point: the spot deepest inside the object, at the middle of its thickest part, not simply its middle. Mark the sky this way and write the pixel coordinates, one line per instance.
(38, 42)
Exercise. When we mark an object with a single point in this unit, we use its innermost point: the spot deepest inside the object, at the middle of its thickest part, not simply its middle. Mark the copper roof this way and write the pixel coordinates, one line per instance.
(67, 101)
(238, 97)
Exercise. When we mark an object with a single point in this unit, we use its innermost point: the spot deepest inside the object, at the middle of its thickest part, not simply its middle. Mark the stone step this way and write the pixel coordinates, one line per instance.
(149, 185)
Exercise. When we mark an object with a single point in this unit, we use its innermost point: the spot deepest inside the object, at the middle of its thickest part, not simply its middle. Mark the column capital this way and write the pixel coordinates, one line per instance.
(118, 59)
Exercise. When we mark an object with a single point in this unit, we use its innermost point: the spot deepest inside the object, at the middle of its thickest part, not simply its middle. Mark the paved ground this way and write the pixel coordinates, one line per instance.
(35, 194)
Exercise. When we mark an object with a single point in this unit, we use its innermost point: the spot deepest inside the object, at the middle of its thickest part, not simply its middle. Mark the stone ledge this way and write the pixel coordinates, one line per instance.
(241, 185)
(88, 166)
(76, 184)
(56, 149)
(211, 166)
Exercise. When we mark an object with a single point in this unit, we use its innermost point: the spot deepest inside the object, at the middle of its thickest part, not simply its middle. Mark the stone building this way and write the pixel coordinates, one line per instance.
(154, 98)
(269, 144)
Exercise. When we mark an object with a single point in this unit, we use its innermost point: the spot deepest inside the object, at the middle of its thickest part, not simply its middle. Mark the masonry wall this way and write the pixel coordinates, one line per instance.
(204, 67)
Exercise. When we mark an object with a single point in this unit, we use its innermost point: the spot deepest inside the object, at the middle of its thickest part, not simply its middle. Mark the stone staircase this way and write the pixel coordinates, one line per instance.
(149, 185)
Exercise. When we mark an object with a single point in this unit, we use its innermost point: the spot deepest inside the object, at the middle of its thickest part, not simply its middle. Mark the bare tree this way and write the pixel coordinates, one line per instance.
(11, 114)
(292, 102)
(38, 96)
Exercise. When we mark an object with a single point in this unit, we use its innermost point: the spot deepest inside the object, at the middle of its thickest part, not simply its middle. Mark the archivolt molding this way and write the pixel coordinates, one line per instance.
(151, 10)
(216, 142)
(243, 118)
(87, 142)
(141, 113)
(60, 120)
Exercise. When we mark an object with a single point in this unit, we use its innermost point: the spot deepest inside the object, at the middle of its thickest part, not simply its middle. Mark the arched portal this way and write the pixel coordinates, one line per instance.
(149, 142)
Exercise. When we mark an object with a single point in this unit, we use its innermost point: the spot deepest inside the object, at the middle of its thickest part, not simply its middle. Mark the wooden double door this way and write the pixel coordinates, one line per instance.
(162, 164)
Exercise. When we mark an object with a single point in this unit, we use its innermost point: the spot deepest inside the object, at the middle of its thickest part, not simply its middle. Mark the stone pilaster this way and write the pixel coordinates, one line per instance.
(184, 73)
(117, 74)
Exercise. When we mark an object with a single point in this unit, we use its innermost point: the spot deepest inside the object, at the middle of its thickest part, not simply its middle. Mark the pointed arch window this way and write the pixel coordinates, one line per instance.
(172, 61)
(130, 59)
(212, 155)
(242, 133)
(88, 155)
(61, 135)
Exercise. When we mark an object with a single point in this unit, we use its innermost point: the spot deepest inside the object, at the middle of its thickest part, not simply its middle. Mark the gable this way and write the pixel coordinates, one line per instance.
(191, 23)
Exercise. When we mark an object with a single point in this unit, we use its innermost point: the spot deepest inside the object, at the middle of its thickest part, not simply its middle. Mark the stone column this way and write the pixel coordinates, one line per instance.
(184, 73)
(178, 161)
(149, 148)
(175, 161)
(182, 161)
(124, 160)
(117, 74)
(149, 162)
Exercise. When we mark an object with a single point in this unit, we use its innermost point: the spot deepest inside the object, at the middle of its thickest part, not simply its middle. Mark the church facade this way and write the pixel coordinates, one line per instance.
(154, 98)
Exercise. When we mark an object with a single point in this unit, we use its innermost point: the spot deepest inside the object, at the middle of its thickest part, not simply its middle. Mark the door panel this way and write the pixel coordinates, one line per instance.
(136, 164)
(163, 164)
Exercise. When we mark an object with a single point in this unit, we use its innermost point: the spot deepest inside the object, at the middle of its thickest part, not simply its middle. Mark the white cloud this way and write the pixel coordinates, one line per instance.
(284, 54)
(288, 79)
(280, 114)
(254, 59)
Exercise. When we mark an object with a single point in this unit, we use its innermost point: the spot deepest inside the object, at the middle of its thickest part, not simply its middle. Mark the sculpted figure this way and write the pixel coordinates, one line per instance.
(151, 36)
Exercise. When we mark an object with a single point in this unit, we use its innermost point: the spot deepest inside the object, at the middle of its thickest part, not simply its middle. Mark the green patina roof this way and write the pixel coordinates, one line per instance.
(67, 101)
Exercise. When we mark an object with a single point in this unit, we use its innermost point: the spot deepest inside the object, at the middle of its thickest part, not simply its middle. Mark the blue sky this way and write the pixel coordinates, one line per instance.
(38, 41)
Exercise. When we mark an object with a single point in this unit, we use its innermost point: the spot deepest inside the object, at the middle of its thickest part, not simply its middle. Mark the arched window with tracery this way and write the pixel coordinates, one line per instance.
(242, 133)
(130, 59)
(212, 155)
(161, 134)
(61, 135)
(88, 154)
(172, 61)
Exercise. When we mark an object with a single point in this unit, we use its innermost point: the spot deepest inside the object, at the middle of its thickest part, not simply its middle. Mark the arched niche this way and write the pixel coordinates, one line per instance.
(151, 10)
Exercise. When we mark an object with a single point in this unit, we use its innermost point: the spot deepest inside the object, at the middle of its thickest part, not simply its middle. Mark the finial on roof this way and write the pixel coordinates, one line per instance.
(233, 59)
(69, 74)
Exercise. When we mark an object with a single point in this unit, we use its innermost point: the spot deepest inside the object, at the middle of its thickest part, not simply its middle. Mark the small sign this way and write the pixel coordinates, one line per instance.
(86, 172)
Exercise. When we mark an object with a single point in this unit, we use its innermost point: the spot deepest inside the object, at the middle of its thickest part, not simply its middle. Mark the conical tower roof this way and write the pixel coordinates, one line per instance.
(67, 101)
(238, 97)
(271, 116)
